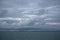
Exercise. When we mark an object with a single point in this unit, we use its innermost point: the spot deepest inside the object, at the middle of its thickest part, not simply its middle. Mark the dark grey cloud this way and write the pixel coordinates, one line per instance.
(30, 13)
(3, 13)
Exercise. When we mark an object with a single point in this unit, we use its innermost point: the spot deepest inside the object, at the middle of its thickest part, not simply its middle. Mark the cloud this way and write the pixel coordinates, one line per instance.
(48, 19)
(15, 21)
(50, 23)
(28, 13)
(53, 9)
(43, 16)
(3, 13)
(20, 22)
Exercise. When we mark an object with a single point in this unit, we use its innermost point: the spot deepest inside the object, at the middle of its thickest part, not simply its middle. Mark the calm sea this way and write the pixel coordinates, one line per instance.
(29, 35)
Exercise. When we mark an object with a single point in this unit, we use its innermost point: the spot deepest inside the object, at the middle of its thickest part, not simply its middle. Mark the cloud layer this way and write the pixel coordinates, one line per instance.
(30, 13)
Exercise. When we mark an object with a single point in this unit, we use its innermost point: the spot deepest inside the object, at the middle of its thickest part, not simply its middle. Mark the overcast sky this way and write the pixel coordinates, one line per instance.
(30, 13)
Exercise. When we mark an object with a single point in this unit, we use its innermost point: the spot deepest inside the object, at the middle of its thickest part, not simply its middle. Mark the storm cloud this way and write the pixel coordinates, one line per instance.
(30, 13)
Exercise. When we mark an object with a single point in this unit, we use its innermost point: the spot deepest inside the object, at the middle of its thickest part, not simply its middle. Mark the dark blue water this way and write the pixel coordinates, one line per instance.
(29, 35)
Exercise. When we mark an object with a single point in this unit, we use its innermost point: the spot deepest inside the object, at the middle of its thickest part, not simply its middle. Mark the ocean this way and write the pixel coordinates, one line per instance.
(29, 35)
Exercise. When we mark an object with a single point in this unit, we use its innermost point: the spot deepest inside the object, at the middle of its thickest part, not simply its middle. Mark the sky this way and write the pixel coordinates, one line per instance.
(30, 13)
